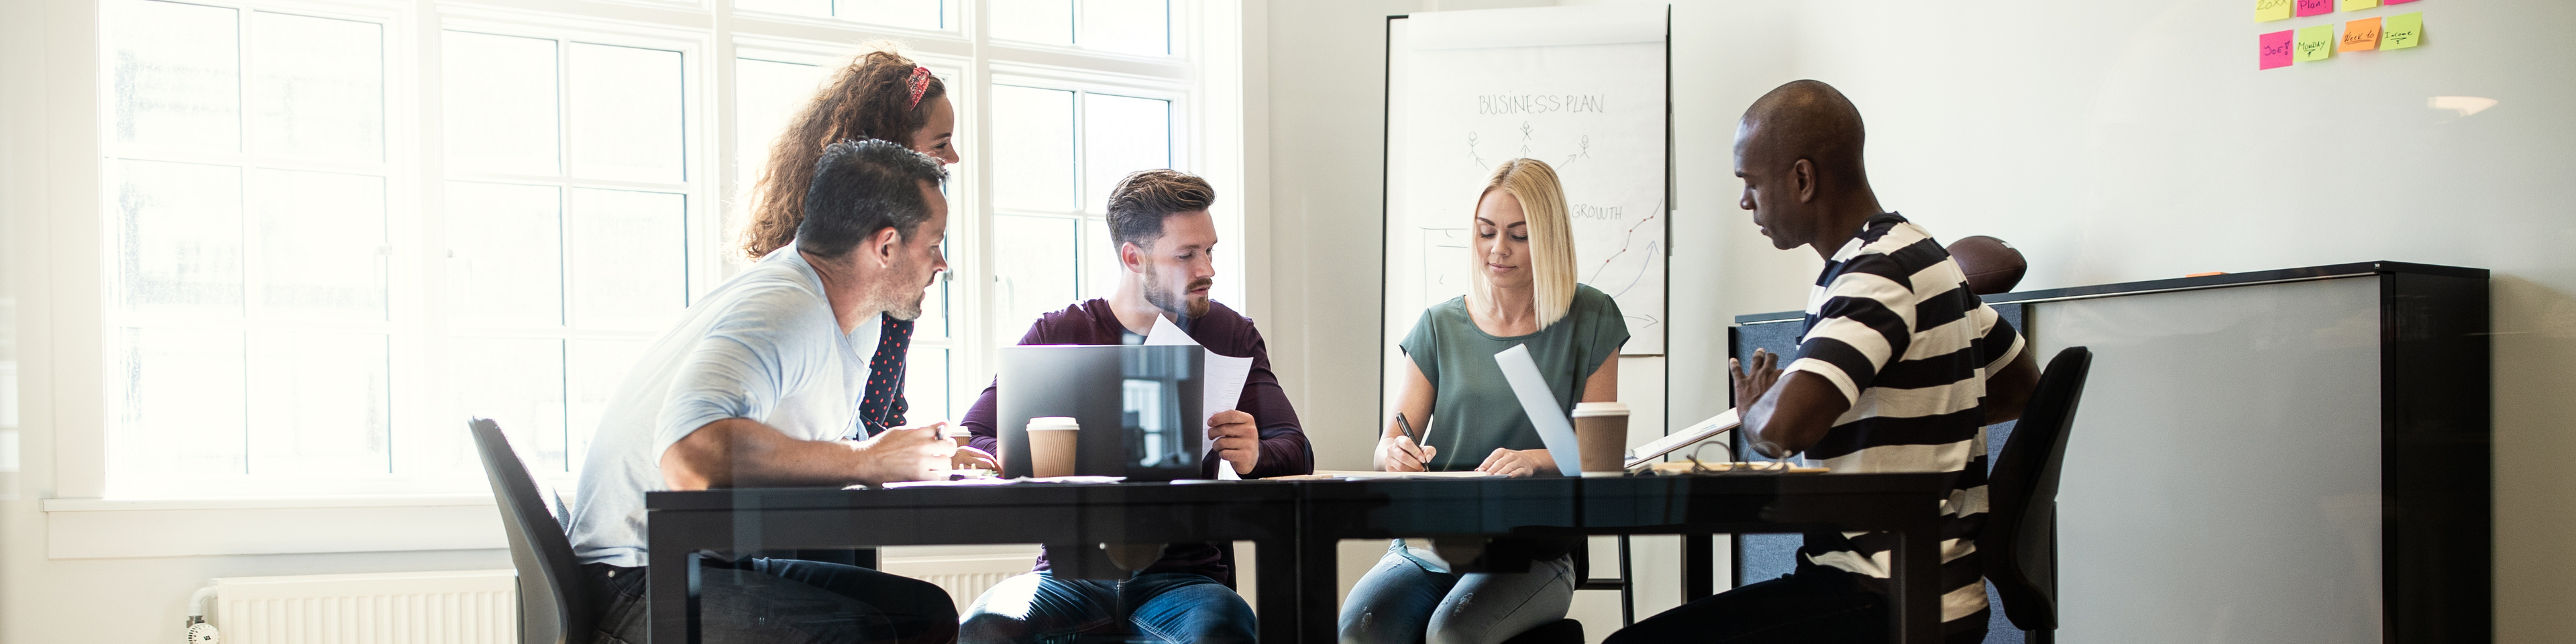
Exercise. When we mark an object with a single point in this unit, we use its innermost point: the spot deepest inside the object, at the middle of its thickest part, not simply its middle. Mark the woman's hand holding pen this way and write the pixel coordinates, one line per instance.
(1399, 454)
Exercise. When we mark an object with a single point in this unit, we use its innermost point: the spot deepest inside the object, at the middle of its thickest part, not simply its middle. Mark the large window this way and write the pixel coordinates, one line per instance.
(337, 229)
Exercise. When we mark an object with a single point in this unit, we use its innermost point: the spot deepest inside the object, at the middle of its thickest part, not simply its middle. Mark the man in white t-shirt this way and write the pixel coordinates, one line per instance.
(759, 385)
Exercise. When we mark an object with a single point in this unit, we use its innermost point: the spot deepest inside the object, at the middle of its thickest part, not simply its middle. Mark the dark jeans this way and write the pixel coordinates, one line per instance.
(785, 601)
(1815, 604)
(1179, 608)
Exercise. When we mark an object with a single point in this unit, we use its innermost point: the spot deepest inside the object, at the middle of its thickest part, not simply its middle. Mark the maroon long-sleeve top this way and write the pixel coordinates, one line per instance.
(1284, 449)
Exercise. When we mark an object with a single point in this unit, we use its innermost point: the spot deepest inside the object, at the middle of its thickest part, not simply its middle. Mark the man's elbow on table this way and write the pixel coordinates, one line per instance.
(703, 459)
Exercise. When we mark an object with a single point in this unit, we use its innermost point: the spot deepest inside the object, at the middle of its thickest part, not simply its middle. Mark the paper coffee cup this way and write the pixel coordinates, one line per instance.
(1601, 431)
(1052, 445)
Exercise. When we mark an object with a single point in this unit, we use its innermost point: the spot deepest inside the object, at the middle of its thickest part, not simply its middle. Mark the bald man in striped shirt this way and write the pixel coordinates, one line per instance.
(1900, 370)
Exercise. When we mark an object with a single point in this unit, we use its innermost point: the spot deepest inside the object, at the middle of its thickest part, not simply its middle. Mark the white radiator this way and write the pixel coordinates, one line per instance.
(965, 572)
(458, 607)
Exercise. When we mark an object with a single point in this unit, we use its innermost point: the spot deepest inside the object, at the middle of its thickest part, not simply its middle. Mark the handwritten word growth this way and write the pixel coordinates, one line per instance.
(1540, 103)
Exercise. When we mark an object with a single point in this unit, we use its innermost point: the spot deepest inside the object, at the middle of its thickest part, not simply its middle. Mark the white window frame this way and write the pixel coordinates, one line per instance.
(69, 395)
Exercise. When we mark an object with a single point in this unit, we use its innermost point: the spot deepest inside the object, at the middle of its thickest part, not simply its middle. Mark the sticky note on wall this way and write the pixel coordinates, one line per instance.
(2270, 10)
(2275, 49)
(2315, 7)
(2357, 5)
(2316, 43)
(2402, 31)
(2360, 35)
(2397, 1)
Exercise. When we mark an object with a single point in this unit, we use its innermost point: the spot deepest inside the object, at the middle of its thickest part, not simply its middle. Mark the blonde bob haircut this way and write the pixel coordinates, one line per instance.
(1551, 239)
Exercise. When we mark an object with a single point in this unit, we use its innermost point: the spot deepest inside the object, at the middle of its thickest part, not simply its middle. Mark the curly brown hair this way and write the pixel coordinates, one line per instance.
(871, 98)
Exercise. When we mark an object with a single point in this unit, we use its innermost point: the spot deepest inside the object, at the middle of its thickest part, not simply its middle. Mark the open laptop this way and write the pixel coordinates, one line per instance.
(1139, 407)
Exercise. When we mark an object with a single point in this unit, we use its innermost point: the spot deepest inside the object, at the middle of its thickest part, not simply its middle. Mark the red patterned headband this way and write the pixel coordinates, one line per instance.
(920, 84)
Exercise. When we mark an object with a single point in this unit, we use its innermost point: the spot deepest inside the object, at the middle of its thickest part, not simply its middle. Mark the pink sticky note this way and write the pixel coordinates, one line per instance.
(2275, 48)
(2316, 7)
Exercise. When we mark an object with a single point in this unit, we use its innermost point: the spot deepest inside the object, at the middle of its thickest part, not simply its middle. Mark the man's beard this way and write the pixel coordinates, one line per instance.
(904, 302)
(1176, 302)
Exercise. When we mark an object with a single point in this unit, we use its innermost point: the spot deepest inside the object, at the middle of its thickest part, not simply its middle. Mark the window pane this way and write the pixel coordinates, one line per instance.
(505, 254)
(181, 411)
(1033, 148)
(597, 368)
(766, 94)
(178, 74)
(925, 385)
(516, 382)
(319, 87)
(917, 14)
(1033, 270)
(629, 258)
(798, 7)
(501, 110)
(1100, 268)
(180, 237)
(319, 404)
(626, 121)
(1127, 26)
(322, 246)
(1038, 21)
(1121, 135)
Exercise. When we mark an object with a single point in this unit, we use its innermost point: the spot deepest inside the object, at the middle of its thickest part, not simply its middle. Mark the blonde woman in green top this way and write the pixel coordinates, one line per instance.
(1524, 294)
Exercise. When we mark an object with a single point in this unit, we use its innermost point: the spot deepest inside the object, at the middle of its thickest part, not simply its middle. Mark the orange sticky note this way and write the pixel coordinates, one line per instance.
(2270, 10)
(2360, 35)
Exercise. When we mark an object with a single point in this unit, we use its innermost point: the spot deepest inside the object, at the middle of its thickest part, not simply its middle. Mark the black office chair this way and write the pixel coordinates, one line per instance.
(2019, 541)
(554, 603)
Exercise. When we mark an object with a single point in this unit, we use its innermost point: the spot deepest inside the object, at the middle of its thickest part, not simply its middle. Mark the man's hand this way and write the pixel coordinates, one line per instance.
(907, 454)
(1749, 386)
(1517, 462)
(968, 458)
(1399, 454)
(1235, 439)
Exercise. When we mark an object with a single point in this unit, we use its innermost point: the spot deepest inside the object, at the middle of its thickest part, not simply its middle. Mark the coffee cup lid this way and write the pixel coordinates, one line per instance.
(1054, 422)
(1604, 408)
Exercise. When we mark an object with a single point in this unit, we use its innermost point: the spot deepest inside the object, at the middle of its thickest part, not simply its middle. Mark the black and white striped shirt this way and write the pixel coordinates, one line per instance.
(1893, 325)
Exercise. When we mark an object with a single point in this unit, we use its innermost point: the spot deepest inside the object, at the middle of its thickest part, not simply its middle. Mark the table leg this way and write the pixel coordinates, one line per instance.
(1699, 567)
(1319, 608)
(1277, 614)
(671, 595)
(1917, 604)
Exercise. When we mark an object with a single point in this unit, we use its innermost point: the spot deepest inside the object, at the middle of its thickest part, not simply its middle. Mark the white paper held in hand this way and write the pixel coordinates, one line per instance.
(1222, 386)
(1554, 430)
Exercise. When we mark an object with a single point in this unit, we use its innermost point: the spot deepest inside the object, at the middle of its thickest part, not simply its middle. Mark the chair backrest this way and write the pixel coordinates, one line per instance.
(2019, 542)
(554, 604)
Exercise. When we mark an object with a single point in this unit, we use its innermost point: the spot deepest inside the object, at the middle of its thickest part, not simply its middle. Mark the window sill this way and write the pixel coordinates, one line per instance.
(122, 528)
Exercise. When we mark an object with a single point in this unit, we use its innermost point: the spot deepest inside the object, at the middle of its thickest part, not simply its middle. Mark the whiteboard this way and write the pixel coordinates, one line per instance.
(1581, 88)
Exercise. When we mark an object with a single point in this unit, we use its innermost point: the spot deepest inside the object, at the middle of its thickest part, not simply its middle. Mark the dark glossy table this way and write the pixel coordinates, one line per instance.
(1295, 526)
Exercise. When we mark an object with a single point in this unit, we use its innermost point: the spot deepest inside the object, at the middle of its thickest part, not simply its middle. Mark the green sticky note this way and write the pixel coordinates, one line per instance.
(2316, 43)
(2357, 5)
(2270, 10)
(2402, 31)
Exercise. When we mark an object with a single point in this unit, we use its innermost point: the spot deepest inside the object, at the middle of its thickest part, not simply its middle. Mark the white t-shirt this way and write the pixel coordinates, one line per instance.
(763, 346)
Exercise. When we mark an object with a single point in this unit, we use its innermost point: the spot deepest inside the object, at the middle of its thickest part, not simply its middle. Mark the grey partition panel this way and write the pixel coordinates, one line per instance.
(2223, 478)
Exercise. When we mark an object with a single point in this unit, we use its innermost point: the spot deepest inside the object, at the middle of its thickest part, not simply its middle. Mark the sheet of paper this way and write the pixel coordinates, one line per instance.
(2275, 48)
(1705, 430)
(1374, 474)
(2316, 43)
(1554, 430)
(2270, 10)
(2315, 7)
(2360, 35)
(2357, 5)
(2402, 31)
(1221, 388)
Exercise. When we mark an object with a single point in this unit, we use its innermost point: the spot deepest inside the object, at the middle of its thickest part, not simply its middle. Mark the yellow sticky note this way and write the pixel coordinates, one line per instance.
(2360, 35)
(2315, 43)
(2270, 10)
(2356, 5)
(2402, 31)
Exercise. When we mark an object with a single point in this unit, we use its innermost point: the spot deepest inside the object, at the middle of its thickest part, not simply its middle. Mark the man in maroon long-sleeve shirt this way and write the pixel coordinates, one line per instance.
(1159, 220)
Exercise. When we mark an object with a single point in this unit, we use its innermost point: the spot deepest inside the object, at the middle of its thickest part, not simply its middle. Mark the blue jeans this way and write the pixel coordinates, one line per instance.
(1405, 599)
(785, 601)
(1037, 608)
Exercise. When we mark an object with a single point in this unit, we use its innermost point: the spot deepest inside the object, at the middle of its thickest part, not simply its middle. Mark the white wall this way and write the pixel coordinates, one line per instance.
(2111, 141)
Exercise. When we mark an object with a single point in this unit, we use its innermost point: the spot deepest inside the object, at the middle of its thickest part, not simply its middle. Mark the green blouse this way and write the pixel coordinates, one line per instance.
(1474, 411)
